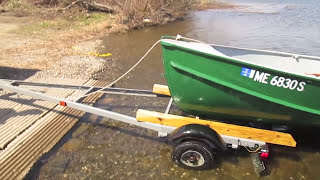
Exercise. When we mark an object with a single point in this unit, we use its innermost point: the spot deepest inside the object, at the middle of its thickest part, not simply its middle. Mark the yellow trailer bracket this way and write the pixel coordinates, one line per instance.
(267, 136)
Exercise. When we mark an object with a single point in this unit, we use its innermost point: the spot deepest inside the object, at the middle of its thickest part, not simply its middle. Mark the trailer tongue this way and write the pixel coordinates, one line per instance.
(195, 141)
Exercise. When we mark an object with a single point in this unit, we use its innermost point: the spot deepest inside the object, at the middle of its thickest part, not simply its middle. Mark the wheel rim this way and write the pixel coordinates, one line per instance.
(192, 158)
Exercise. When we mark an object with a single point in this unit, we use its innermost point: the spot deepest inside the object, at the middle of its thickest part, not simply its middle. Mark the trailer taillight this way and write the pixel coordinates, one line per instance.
(264, 155)
(63, 103)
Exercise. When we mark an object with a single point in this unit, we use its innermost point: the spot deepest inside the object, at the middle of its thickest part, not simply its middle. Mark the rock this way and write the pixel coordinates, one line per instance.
(147, 21)
(129, 173)
(119, 28)
(166, 20)
(2, 10)
(107, 101)
(84, 168)
(125, 19)
(92, 118)
(183, 174)
(80, 130)
(104, 25)
(58, 164)
(72, 145)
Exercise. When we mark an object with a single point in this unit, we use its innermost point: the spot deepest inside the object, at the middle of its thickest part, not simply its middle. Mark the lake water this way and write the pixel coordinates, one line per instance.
(111, 150)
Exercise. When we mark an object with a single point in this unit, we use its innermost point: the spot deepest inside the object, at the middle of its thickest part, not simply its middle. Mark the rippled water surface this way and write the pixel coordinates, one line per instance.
(103, 149)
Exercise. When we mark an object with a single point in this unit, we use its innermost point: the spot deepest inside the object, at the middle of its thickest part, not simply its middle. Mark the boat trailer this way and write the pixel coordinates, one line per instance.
(195, 141)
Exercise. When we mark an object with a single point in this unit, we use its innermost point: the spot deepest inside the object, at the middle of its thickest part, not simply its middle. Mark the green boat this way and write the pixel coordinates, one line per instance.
(238, 84)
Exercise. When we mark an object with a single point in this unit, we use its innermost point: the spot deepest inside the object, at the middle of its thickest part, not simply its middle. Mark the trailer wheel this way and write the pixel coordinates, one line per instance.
(193, 155)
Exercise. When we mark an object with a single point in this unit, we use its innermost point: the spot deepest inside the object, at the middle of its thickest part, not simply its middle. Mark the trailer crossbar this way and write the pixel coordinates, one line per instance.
(111, 90)
(86, 108)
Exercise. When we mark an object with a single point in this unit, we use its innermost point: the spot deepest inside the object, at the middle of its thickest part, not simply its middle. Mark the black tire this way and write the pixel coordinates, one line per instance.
(193, 155)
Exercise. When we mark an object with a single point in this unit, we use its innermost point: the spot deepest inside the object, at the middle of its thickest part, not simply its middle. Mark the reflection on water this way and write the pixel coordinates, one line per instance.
(112, 150)
(294, 28)
(263, 8)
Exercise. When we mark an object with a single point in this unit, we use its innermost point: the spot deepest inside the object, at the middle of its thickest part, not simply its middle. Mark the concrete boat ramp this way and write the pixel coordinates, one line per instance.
(29, 127)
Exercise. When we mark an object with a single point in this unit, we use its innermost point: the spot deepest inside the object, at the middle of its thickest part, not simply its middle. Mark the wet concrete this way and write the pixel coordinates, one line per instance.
(16, 73)
(100, 148)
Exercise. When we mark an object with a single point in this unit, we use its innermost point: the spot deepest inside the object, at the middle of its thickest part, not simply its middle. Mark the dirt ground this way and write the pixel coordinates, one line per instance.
(43, 42)
(33, 46)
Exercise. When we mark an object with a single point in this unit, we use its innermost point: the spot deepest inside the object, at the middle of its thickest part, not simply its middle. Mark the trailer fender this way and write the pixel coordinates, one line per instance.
(197, 132)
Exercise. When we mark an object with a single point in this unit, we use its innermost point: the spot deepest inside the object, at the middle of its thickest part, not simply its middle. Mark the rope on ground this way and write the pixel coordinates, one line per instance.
(123, 75)
(135, 65)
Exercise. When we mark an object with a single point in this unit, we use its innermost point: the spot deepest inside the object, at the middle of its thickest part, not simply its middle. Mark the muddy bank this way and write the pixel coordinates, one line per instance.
(56, 41)
(45, 47)
(48, 52)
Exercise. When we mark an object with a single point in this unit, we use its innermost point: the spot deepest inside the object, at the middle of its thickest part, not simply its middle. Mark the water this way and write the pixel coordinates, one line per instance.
(112, 150)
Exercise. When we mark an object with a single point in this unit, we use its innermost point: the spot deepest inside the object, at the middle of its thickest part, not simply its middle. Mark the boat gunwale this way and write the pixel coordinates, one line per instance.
(269, 51)
(236, 60)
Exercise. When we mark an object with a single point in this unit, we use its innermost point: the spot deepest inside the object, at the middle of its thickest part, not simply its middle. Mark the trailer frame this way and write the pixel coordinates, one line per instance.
(163, 130)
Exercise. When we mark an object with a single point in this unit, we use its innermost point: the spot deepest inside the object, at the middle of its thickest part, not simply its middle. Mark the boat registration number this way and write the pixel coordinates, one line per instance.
(278, 81)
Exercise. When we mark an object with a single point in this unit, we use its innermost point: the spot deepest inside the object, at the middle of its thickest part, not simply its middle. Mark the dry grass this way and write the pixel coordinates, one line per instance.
(130, 13)
(138, 13)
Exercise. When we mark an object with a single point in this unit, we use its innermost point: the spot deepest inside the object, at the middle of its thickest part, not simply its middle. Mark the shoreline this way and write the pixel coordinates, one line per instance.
(44, 43)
